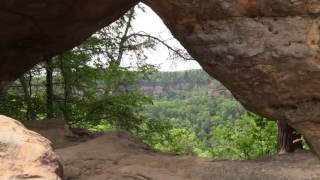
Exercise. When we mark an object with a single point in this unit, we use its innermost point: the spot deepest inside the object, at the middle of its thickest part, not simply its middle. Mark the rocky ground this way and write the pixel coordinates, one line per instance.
(121, 156)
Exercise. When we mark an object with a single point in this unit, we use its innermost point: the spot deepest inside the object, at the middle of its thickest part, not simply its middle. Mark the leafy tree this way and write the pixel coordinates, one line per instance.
(218, 124)
(249, 137)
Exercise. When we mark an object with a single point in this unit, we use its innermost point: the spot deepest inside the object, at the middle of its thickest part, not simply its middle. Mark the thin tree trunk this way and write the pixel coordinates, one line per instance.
(2, 91)
(27, 91)
(49, 89)
(123, 39)
(65, 72)
(285, 138)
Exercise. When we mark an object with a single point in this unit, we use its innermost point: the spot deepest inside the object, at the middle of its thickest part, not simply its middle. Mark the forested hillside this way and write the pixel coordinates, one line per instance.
(206, 120)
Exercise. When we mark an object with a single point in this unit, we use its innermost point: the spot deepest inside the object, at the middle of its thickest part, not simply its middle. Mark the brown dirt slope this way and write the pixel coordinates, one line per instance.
(121, 156)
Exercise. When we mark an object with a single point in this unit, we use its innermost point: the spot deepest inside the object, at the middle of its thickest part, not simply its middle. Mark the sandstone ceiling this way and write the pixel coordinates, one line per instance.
(33, 30)
(265, 51)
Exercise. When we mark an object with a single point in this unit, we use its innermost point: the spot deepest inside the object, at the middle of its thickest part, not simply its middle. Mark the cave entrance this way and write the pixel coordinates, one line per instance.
(95, 86)
(255, 49)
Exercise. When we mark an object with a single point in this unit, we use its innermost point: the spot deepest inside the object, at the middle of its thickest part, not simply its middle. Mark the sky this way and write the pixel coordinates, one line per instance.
(150, 23)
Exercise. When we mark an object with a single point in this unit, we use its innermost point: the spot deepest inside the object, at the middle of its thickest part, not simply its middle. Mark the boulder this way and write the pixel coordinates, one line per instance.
(25, 154)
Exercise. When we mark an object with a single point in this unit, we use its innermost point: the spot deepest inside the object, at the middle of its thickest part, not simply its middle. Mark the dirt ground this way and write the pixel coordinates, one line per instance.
(121, 156)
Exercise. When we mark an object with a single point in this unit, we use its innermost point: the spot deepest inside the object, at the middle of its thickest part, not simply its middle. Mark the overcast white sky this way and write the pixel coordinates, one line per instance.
(150, 23)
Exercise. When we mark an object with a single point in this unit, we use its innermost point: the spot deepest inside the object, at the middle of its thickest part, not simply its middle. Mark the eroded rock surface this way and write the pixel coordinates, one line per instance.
(25, 154)
(265, 51)
(121, 156)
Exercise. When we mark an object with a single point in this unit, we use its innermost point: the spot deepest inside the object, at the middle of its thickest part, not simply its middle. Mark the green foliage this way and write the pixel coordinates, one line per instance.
(249, 137)
(13, 106)
(163, 136)
(214, 126)
(120, 111)
(181, 141)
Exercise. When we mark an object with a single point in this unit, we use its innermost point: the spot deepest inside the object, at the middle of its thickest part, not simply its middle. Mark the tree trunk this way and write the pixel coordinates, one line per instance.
(49, 88)
(1, 91)
(66, 74)
(123, 40)
(285, 138)
(27, 91)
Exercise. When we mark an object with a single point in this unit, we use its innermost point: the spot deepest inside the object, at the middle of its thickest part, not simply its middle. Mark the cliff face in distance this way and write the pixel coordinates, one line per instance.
(165, 84)
(266, 52)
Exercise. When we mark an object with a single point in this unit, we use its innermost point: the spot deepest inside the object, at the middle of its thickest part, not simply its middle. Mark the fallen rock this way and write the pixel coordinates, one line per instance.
(121, 156)
(25, 154)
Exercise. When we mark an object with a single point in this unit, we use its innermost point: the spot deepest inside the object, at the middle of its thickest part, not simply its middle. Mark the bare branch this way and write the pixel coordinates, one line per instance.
(176, 51)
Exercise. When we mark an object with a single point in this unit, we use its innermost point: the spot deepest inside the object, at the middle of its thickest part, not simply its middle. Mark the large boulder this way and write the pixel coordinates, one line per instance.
(25, 154)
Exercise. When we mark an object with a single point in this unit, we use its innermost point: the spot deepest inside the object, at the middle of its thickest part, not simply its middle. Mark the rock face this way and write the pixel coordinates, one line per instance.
(25, 154)
(121, 156)
(33, 30)
(266, 52)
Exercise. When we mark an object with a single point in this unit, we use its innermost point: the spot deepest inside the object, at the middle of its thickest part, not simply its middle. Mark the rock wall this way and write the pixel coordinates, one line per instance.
(265, 51)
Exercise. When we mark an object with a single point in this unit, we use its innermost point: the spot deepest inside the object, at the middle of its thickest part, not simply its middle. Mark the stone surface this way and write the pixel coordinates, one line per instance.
(266, 52)
(56, 130)
(59, 133)
(33, 30)
(121, 156)
(25, 154)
